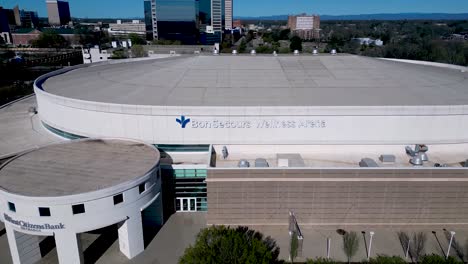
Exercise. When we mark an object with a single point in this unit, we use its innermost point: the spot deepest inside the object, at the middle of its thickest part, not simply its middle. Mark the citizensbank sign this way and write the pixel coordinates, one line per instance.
(33, 227)
(249, 124)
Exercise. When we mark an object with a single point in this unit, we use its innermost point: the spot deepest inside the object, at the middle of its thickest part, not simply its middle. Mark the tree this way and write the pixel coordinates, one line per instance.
(418, 245)
(2, 41)
(350, 244)
(136, 39)
(296, 44)
(50, 39)
(138, 51)
(294, 246)
(220, 244)
(242, 46)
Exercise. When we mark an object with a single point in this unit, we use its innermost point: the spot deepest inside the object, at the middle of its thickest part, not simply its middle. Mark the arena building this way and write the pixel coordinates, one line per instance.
(339, 140)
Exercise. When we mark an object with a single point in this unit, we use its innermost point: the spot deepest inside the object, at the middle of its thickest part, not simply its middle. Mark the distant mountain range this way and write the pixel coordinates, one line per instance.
(399, 16)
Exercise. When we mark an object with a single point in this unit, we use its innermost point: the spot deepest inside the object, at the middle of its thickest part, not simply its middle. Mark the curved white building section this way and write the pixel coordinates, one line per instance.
(63, 190)
(359, 107)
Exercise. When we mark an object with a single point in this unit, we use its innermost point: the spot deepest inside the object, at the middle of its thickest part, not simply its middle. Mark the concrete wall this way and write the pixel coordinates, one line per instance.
(338, 197)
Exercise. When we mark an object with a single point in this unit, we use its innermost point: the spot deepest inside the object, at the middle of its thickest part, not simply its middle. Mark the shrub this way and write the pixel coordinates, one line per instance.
(436, 259)
(220, 244)
(321, 261)
(383, 259)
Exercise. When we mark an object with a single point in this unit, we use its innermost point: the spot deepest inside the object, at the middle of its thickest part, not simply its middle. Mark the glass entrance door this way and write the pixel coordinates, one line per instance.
(186, 204)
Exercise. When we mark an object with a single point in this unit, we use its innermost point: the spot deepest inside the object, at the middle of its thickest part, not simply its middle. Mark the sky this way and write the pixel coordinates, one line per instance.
(134, 8)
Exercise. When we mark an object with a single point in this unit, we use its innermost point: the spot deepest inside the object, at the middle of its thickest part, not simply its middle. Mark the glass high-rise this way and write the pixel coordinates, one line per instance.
(174, 19)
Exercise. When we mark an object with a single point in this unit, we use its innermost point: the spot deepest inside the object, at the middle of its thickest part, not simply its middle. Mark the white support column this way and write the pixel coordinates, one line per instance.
(69, 249)
(24, 248)
(131, 236)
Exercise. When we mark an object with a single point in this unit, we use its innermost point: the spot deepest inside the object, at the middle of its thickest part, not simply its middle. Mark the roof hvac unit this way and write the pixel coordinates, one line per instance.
(243, 163)
(368, 162)
(261, 163)
(387, 158)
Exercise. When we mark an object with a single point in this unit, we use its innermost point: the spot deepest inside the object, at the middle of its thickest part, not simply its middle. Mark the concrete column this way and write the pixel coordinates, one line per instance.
(69, 249)
(131, 236)
(24, 248)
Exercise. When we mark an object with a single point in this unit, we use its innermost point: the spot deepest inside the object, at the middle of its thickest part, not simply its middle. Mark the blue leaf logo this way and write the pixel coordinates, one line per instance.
(183, 121)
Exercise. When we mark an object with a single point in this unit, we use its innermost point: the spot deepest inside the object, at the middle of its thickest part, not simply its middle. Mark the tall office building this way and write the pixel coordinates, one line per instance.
(58, 12)
(217, 15)
(151, 20)
(305, 26)
(228, 14)
(173, 20)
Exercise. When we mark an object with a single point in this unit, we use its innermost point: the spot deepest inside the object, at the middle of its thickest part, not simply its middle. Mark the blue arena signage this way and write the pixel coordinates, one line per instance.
(248, 124)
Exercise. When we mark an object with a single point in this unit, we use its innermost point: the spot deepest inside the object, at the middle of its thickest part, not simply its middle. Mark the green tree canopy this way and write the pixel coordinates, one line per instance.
(296, 43)
(136, 39)
(50, 39)
(220, 244)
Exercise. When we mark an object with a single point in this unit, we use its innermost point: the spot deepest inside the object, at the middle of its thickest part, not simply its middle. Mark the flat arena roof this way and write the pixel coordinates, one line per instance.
(342, 80)
(77, 167)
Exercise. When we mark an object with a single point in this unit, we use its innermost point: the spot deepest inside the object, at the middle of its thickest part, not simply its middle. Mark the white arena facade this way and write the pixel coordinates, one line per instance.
(339, 140)
(259, 100)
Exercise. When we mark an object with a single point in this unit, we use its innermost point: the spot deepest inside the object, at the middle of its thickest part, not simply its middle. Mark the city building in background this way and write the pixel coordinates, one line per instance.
(4, 27)
(124, 28)
(237, 24)
(228, 14)
(17, 18)
(187, 21)
(217, 15)
(58, 12)
(305, 26)
(151, 24)
(173, 20)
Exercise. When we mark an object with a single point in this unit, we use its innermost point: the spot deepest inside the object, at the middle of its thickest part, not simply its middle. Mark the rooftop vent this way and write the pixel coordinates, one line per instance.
(423, 156)
(420, 148)
(243, 163)
(253, 52)
(225, 152)
(410, 151)
(261, 162)
(368, 162)
(416, 160)
(387, 158)
(315, 52)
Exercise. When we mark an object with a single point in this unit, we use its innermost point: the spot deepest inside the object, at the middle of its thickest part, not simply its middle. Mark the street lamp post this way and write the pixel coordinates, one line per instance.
(450, 243)
(370, 244)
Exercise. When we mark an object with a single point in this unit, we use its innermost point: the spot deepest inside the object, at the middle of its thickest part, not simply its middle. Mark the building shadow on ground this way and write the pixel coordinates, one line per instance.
(107, 237)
